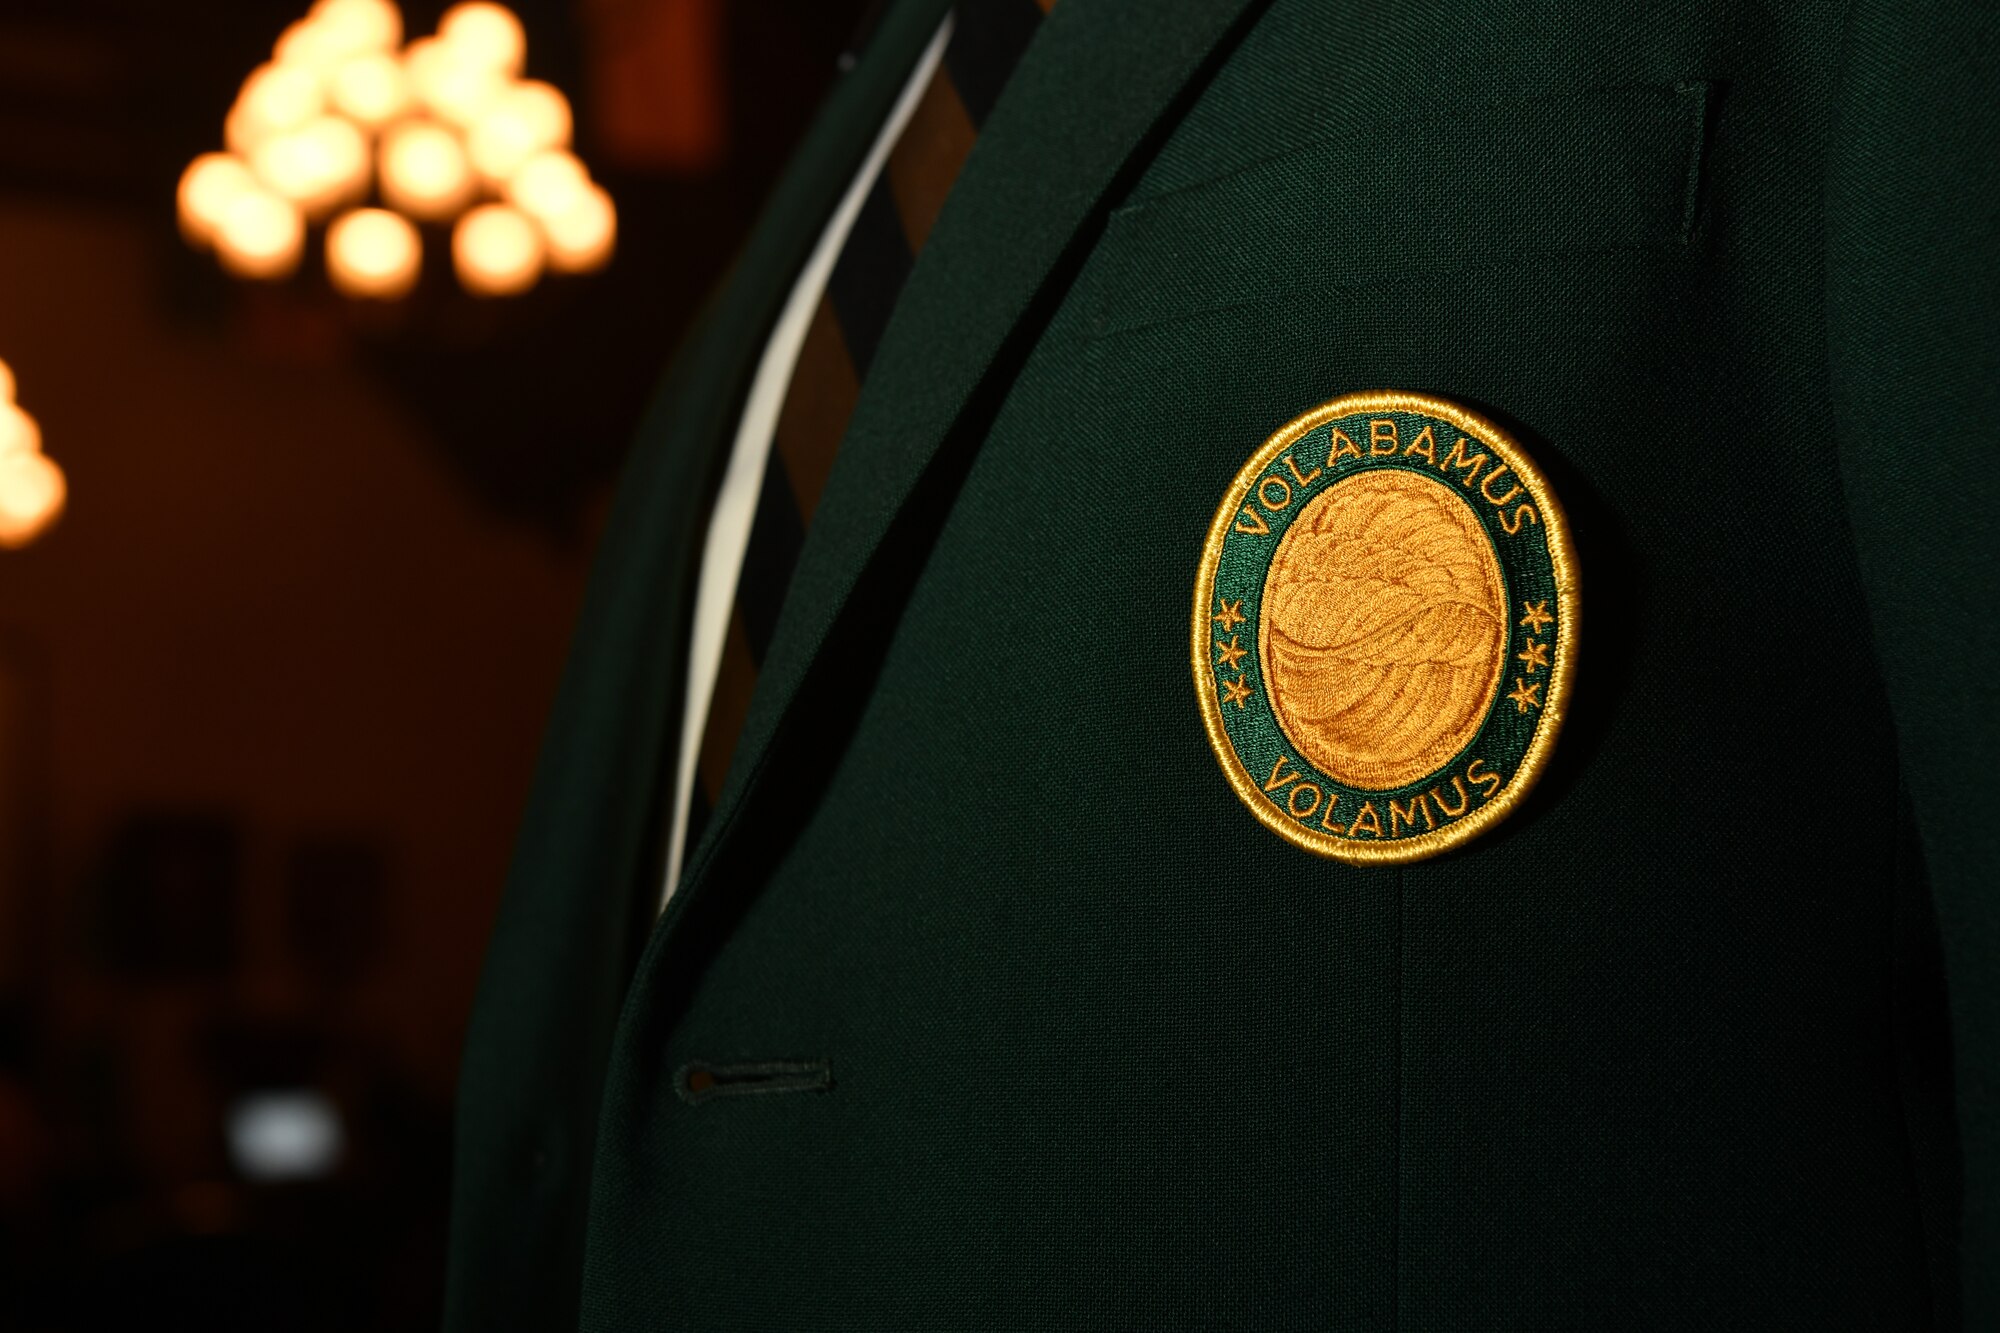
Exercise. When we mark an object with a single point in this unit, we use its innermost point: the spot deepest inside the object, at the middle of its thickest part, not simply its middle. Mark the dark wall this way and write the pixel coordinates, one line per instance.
(271, 692)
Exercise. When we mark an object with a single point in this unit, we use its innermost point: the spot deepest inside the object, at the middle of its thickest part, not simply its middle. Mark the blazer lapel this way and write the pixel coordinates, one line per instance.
(617, 718)
(1097, 77)
(581, 890)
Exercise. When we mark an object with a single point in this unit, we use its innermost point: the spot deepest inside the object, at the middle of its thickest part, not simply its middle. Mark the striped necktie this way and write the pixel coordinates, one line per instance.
(987, 39)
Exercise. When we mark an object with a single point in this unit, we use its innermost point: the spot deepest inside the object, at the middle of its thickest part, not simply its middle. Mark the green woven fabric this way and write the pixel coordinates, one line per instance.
(1064, 1037)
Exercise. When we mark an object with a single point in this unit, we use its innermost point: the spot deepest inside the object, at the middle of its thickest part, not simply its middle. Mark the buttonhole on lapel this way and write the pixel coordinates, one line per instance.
(698, 1081)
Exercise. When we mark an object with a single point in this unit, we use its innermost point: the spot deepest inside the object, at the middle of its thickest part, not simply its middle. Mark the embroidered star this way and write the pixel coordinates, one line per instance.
(1536, 615)
(1525, 695)
(1232, 614)
(1228, 655)
(1535, 655)
(1238, 692)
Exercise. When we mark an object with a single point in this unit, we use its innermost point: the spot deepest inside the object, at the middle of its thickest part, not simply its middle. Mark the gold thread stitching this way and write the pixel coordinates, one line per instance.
(1555, 697)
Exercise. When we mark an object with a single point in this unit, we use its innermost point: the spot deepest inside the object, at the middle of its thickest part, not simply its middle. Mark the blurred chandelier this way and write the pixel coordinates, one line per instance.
(444, 129)
(32, 488)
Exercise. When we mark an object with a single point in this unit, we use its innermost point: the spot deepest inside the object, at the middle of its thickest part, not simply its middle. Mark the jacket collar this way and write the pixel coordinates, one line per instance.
(1098, 76)
(582, 888)
(580, 893)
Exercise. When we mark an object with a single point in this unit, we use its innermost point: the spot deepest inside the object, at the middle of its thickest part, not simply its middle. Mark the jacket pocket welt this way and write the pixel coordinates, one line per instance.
(1577, 172)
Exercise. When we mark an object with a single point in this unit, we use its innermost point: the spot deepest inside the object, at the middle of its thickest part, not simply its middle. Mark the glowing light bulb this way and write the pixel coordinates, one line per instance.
(525, 119)
(32, 493)
(455, 89)
(424, 171)
(369, 89)
(549, 184)
(372, 252)
(486, 35)
(497, 251)
(19, 432)
(6, 383)
(275, 100)
(208, 186)
(581, 240)
(261, 236)
(308, 46)
(333, 32)
(316, 166)
(360, 25)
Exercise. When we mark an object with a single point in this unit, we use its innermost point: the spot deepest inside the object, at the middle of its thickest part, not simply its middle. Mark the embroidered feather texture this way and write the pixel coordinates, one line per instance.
(1383, 628)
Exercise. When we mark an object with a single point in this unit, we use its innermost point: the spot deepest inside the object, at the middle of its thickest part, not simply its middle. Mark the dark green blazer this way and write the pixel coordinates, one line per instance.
(1068, 1039)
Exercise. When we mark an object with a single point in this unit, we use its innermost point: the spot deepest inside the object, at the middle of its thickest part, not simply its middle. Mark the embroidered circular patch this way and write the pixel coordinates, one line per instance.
(1385, 627)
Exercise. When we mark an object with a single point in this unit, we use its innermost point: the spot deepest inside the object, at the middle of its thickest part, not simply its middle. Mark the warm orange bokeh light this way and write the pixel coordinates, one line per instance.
(308, 46)
(485, 35)
(369, 89)
(19, 432)
(549, 184)
(336, 30)
(374, 253)
(6, 384)
(359, 25)
(497, 251)
(454, 89)
(275, 99)
(581, 240)
(32, 492)
(317, 166)
(209, 185)
(524, 120)
(455, 123)
(261, 236)
(424, 171)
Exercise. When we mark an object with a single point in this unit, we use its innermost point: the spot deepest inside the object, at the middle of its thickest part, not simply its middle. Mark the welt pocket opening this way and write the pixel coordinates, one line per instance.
(1593, 171)
(699, 1081)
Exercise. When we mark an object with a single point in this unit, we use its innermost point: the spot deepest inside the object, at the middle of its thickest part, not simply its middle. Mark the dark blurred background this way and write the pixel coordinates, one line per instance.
(271, 691)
